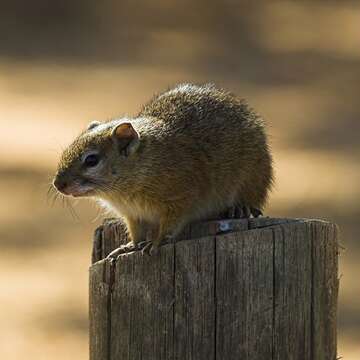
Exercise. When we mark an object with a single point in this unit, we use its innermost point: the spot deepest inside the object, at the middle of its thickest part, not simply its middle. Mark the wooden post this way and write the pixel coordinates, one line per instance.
(254, 289)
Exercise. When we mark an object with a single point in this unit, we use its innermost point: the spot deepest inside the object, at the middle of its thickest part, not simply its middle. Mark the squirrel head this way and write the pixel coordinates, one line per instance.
(93, 163)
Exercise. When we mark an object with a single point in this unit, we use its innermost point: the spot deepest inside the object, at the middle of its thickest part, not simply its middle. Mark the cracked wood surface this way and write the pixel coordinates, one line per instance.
(226, 289)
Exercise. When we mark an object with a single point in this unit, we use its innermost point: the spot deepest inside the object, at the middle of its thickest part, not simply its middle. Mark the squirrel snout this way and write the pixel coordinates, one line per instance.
(60, 183)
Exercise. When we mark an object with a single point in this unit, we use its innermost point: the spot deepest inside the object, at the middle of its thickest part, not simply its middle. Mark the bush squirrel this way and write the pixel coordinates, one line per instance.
(191, 152)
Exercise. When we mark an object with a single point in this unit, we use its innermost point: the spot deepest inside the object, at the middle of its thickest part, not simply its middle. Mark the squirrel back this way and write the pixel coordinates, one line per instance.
(208, 135)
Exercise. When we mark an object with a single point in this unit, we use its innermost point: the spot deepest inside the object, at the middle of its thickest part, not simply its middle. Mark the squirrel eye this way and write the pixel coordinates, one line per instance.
(91, 160)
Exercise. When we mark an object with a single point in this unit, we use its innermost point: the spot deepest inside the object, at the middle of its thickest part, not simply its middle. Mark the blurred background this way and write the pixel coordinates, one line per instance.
(65, 63)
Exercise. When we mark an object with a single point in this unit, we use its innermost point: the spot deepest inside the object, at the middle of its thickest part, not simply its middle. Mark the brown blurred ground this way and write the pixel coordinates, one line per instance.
(63, 64)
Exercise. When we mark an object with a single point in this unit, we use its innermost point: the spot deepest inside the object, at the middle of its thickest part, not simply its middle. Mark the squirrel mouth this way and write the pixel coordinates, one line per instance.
(80, 191)
(76, 190)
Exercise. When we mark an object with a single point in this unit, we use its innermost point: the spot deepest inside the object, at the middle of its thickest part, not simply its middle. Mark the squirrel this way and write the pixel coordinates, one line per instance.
(191, 152)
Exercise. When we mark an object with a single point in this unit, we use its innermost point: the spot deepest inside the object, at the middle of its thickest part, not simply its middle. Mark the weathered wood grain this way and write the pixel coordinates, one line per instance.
(194, 315)
(142, 306)
(253, 289)
(325, 286)
(244, 290)
(292, 291)
(100, 317)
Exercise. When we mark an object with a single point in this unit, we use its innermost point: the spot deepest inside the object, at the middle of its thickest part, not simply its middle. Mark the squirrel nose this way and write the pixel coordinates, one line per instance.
(60, 183)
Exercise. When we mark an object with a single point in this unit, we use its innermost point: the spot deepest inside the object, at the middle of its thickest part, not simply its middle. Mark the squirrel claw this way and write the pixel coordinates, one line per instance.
(150, 249)
(255, 212)
(147, 246)
(115, 254)
(245, 212)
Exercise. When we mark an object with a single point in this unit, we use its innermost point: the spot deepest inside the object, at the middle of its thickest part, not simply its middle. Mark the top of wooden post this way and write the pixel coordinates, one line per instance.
(112, 233)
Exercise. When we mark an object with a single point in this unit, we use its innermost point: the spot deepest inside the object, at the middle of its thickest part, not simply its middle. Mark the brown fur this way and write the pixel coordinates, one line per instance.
(199, 151)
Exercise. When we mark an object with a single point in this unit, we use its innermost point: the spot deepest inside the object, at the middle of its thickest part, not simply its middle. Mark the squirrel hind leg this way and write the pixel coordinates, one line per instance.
(162, 233)
(136, 229)
(169, 227)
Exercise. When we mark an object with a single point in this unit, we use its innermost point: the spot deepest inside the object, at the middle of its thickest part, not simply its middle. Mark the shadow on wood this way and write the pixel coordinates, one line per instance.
(227, 289)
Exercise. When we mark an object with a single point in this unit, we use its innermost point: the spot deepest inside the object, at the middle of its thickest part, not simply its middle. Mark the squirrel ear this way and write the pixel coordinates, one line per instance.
(93, 124)
(126, 138)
